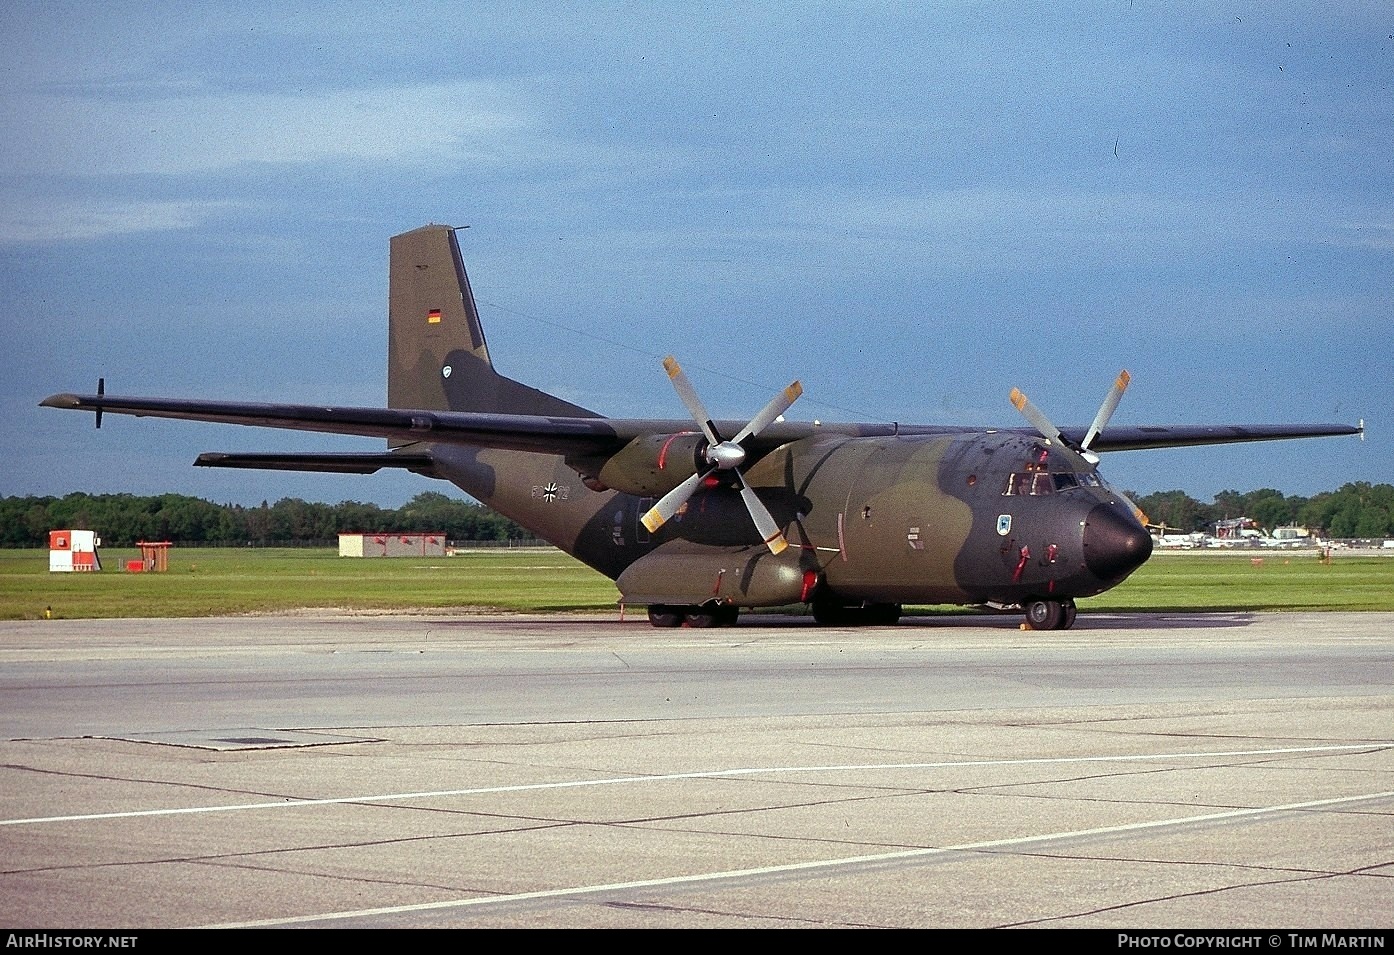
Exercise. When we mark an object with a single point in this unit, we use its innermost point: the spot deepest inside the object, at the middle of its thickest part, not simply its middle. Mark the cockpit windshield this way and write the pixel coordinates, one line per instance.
(1037, 483)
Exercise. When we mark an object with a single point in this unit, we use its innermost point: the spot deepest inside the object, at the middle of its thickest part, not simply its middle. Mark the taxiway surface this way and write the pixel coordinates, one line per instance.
(1208, 770)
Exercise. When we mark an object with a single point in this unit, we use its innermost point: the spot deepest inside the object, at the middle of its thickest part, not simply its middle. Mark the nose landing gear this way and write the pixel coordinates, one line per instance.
(1049, 614)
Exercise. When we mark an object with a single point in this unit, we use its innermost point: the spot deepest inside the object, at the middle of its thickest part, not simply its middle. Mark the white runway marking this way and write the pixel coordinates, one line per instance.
(806, 866)
(290, 803)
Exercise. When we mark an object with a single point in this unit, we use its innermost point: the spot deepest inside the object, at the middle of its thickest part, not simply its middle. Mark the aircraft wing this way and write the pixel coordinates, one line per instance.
(1191, 435)
(594, 436)
(541, 433)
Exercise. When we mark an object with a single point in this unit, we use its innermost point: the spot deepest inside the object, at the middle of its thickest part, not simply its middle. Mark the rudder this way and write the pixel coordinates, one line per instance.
(437, 358)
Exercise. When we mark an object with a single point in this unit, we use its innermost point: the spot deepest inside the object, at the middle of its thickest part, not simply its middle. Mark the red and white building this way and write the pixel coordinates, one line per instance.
(70, 551)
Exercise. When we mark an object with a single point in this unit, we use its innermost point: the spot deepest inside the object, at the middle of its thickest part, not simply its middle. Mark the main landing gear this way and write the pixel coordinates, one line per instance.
(703, 616)
(1049, 614)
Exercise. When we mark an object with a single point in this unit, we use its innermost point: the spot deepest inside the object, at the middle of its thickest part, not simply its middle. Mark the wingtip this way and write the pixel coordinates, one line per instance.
(63, 400)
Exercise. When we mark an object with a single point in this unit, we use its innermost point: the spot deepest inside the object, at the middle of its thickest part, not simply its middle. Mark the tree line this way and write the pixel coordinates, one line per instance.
(1357, 510)
(123, 519)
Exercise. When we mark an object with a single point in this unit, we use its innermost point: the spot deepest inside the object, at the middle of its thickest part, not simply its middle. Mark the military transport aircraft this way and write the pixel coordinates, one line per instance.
(697, 518)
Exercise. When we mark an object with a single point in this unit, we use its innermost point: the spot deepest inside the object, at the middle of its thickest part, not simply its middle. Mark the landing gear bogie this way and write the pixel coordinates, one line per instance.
(668, 616)
(661, 615)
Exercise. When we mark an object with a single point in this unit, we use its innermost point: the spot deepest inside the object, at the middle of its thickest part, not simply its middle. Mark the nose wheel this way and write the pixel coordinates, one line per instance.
(1049, 614)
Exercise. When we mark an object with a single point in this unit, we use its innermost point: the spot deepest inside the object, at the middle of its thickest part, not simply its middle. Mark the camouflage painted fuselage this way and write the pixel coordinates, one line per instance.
(914, 519)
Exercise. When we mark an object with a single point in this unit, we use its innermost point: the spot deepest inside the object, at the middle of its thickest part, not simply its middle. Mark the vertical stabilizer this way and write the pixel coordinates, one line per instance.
(437, 359)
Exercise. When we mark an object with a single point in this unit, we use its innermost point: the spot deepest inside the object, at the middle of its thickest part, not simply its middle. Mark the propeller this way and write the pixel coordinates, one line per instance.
(723, 456)
(1043, 424)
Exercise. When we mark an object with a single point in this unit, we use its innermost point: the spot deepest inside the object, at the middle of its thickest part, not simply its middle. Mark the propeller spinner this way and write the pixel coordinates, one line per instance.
(723, 456)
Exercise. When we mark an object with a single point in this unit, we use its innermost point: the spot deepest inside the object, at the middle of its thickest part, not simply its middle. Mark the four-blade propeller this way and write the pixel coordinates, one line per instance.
(723, 456)
(1043, 424)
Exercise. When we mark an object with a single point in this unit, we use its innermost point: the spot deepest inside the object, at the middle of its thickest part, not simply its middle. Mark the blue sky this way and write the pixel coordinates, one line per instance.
(910, 207)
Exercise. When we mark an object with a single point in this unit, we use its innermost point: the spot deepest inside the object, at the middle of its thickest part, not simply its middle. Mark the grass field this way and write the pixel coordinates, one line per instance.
(212, 582)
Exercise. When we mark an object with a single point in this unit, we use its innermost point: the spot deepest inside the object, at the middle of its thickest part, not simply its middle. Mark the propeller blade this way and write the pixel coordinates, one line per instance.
(764, 521)
(1106, 410)
(670, 503)
(778, 405)
(1037, 418)
(101, 390)
(689, 398)
(724, 456)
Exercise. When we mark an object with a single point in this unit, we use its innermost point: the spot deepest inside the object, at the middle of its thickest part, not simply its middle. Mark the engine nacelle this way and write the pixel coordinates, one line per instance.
(652, 465)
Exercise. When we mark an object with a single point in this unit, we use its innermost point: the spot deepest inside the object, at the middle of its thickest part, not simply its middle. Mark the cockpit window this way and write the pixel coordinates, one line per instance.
(1031, 484)
(1037, 483)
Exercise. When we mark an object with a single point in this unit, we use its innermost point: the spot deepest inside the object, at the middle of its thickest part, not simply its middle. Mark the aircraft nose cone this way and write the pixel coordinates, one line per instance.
(1115, 544)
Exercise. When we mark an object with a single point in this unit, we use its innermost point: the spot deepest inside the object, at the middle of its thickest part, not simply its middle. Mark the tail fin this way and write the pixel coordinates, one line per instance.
(437, 358)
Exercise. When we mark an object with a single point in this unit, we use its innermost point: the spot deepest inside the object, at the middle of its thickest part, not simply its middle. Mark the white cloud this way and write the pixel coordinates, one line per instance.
(1010, 227)
(72, 220)
(1370, 236)
(183, 131)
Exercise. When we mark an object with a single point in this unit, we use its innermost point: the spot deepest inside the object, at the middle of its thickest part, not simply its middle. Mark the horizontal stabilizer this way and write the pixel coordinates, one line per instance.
(345, 463)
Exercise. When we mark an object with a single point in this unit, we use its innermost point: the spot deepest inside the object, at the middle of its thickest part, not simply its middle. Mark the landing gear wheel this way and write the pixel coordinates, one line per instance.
(727, 615)
(661, 615)
(1067, 616)
(1044, 614)
(703, 617)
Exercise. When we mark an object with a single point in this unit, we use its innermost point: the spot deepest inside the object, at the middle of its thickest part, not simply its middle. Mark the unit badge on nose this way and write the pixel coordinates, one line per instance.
(1004, 524)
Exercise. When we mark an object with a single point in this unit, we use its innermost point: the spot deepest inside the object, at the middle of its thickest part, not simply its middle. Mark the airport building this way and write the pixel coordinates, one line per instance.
(392, 545)
(72, 550)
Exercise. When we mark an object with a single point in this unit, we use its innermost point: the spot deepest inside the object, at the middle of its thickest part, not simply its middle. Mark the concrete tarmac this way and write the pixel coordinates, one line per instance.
(1138, 771)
